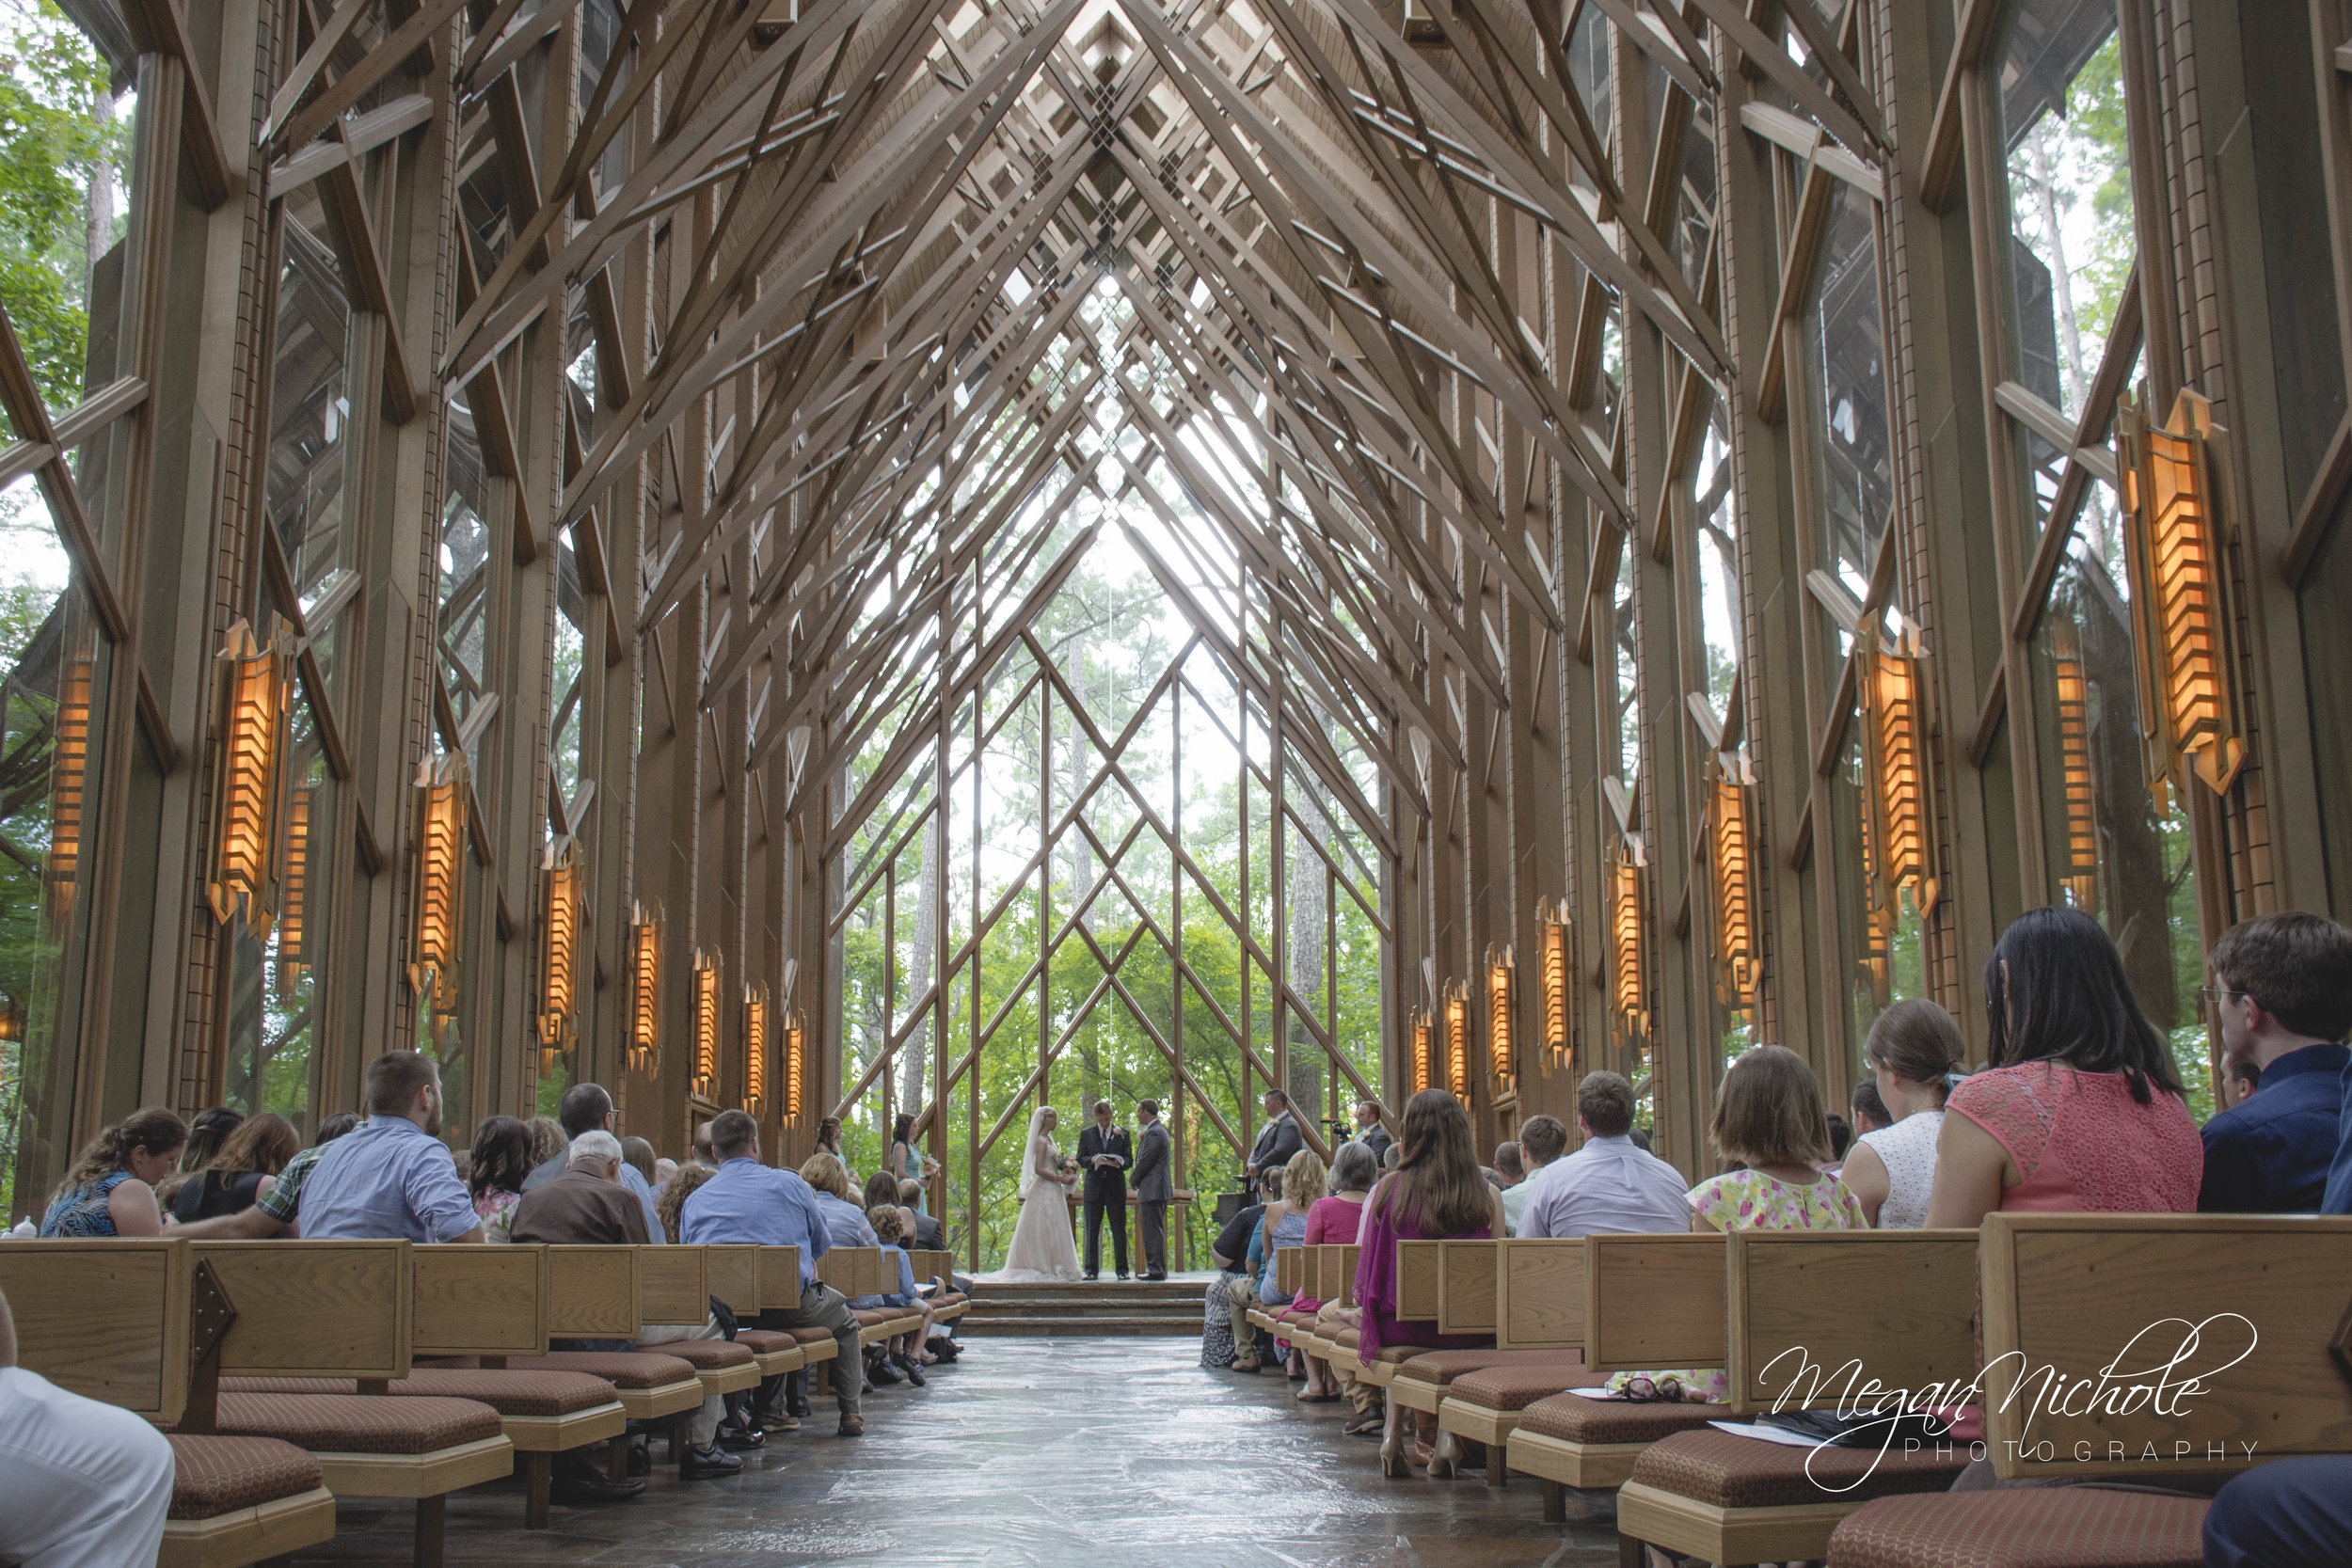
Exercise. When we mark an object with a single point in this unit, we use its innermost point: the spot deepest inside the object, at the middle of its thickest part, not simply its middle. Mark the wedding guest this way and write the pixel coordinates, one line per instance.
(1870, 1108)
(111, 1189)
(2081, 1109)
(1769, 1117)
(671, 1207)
(1303, 1183)
(276, 1210)
(904, 1351)
(502, 1161)
(1912, 1050)
(1542, 1140)
(1278, 1140)
(1369, 1130)
(2294, 1513)
(393, 1177)
(1229, 1252)
(837, 1204)
(1240, 1283)
(664, 1169)
(1508, 1165)
(703, 1150)
(1611, 1183)
(588, 1108)
(930, 1234)
(1333, 1221)
(1841, 1139)
(881, 1187)
(2239, 1079)
(2282, 991)
(547, 1143)
(207, 1130)
(82, 1485)
(1434, 1193)
(244, 1170)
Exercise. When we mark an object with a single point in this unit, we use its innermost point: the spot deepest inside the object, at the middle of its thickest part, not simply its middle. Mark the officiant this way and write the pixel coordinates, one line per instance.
(1104, 1155)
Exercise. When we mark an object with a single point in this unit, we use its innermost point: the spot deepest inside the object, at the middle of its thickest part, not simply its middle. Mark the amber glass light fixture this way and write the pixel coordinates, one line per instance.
(1423, 1027)
(1502, 1046)
(1895, 739)
(2182, 625)
(1730, 850)
(1629, 987)
(11, 1021)
(441, 880)
(755, 1049)
(795, 1064)
(257, 689)
(1552, 921)
(2079, 877)
(1457, 1039)
(560, 1004)
(644, 978)
(706, 1080)
(294, 914)
(70, 782)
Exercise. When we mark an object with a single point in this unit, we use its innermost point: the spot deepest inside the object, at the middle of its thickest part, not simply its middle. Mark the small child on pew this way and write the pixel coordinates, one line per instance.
(905, 1350)
(1769, 1119)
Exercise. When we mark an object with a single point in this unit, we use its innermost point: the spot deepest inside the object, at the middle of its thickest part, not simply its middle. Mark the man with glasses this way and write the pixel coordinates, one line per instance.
(2283, 993)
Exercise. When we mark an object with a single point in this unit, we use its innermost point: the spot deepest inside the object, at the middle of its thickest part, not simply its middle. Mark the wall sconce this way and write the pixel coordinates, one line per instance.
(1896, 740)
(440, 882)
(755, 1049)
(257, 689)
(560, 1002)
(2183, 623)
(2080, 875)
(795, 1064)
(1457, 1039)
(1502, 973)
(1422, 1026)
(1729, 848)
(11, 1021)
(645, 1004)
(294, 917)
(706, 1080)
(1551, 922)
(1628, 981)
(70, 782)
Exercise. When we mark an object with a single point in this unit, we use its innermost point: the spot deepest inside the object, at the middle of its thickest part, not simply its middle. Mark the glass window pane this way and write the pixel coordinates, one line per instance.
(1845, 366)
(310, 408)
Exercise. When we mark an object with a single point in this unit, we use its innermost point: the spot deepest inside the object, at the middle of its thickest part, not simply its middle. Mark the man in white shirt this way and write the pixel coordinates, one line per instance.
(82, 1485)
(1542, 1140)
(1609, 1184)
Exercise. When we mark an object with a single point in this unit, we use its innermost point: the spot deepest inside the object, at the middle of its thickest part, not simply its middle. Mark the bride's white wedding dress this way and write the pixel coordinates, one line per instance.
(1044, 1251)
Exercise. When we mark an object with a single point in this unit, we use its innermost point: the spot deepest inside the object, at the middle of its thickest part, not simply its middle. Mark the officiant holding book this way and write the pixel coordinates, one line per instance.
(1104, 1155)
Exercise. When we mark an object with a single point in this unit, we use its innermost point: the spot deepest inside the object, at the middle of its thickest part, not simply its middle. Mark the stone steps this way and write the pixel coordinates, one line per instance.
(1170, 1308)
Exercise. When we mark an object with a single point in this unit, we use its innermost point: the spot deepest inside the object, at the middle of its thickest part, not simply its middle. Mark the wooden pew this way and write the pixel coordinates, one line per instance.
(1515, 1290)
(857, 1271)
(1649, 1301)
(1416, 1300)
(593, 1294)
(732, 1272)
(674, 1291)
(1812, 1316)
(952, 1304)
(119, 1322)
(346, 1310)
(780, 1291)
(2065, 1296)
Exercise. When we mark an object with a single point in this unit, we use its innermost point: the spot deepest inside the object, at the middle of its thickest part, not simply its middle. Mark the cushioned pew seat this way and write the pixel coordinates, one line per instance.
(1422, 1383)
(2068, 1526)
(1483, 1403)
(1592, 1443)
(241, 1499)
(776, 1351)
(722, 1365)
(370, 1446)
(1727, 1498)
(542, 1411)
(648, 1385)
(817, 1344)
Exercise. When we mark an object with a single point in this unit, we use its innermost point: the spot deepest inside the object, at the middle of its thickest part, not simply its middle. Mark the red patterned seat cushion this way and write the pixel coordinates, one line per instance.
(212, 1476)
(811, 1335)
(764, 1341)
(2064, 1527)
(1725, 1470)
(1574, 1418)
(707, 1355)
(1518, 1385)
(358, 1423)
(622, 1369)
(1441, 1367)
(509, 1393)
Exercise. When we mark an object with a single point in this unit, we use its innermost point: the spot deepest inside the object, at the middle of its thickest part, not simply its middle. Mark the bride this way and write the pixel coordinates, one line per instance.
(1043, 1251)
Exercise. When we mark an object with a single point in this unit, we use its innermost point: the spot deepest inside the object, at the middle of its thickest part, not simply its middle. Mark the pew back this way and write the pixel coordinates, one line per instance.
(1466, 1287)
(593, 1292)
(673, 1285)
(855, 1271)
(932, 1261)
(1331, 1272)
(1417, 1280)
(480, 1300)
(2247, 1305)
(732, 1274)
(104, 1320)
(779, 1279)
(1815, 1316)
(1539, 1293)
(315, 1308)
(1654, 1300)
(1289, 1269)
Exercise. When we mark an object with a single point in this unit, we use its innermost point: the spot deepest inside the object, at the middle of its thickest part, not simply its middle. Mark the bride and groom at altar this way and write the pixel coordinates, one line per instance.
(1042, 1250)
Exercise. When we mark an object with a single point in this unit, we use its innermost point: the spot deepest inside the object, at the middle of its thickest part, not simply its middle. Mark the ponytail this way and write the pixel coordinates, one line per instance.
(155, 1129)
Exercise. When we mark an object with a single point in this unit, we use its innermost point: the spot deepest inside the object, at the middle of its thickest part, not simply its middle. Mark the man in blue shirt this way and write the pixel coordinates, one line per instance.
(748, 1202)
(393, 1177)
(588, 1108)
(2282, 991)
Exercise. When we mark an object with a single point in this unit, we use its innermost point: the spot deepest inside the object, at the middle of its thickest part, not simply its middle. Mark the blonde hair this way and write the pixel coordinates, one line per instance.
(1303, 1180)
(1768, 1111)
(827, 1175)
(884, 1217)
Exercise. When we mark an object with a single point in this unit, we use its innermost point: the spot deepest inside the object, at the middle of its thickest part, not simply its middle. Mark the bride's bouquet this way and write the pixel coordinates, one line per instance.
(1070, 1165)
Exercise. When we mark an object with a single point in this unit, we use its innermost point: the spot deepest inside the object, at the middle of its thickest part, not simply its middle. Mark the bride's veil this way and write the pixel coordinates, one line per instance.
(1029, 1178)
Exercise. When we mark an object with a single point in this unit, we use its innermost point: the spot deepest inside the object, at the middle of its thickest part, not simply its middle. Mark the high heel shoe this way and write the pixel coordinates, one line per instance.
(1393, 1464)
(1442, 1457)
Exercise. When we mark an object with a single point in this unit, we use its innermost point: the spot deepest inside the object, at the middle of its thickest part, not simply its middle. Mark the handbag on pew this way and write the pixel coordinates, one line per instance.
(1862, 1430)
(724, 1315)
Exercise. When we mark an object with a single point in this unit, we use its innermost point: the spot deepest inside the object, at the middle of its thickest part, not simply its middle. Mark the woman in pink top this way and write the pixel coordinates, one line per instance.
(1333, 1221)
(2081, 1110)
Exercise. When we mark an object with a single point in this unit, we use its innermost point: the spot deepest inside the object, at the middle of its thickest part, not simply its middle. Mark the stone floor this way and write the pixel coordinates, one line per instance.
(1122, 1453)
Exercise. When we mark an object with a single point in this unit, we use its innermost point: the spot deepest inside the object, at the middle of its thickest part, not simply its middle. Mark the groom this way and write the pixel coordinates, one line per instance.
(1104, 1155)
(1153, 1189)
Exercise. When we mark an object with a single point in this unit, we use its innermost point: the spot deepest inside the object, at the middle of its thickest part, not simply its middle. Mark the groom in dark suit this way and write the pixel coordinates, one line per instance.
(1105, 1154)
(1153, 1189)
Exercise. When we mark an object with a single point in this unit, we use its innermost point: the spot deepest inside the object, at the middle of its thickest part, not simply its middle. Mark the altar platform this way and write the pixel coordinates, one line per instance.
(1102, 1307)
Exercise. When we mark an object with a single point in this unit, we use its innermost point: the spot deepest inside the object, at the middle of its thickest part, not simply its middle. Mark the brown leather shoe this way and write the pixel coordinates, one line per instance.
(852, 1424)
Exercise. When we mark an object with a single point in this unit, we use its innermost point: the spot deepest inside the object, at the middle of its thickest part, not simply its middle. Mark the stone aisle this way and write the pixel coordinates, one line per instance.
(1109, 1453)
